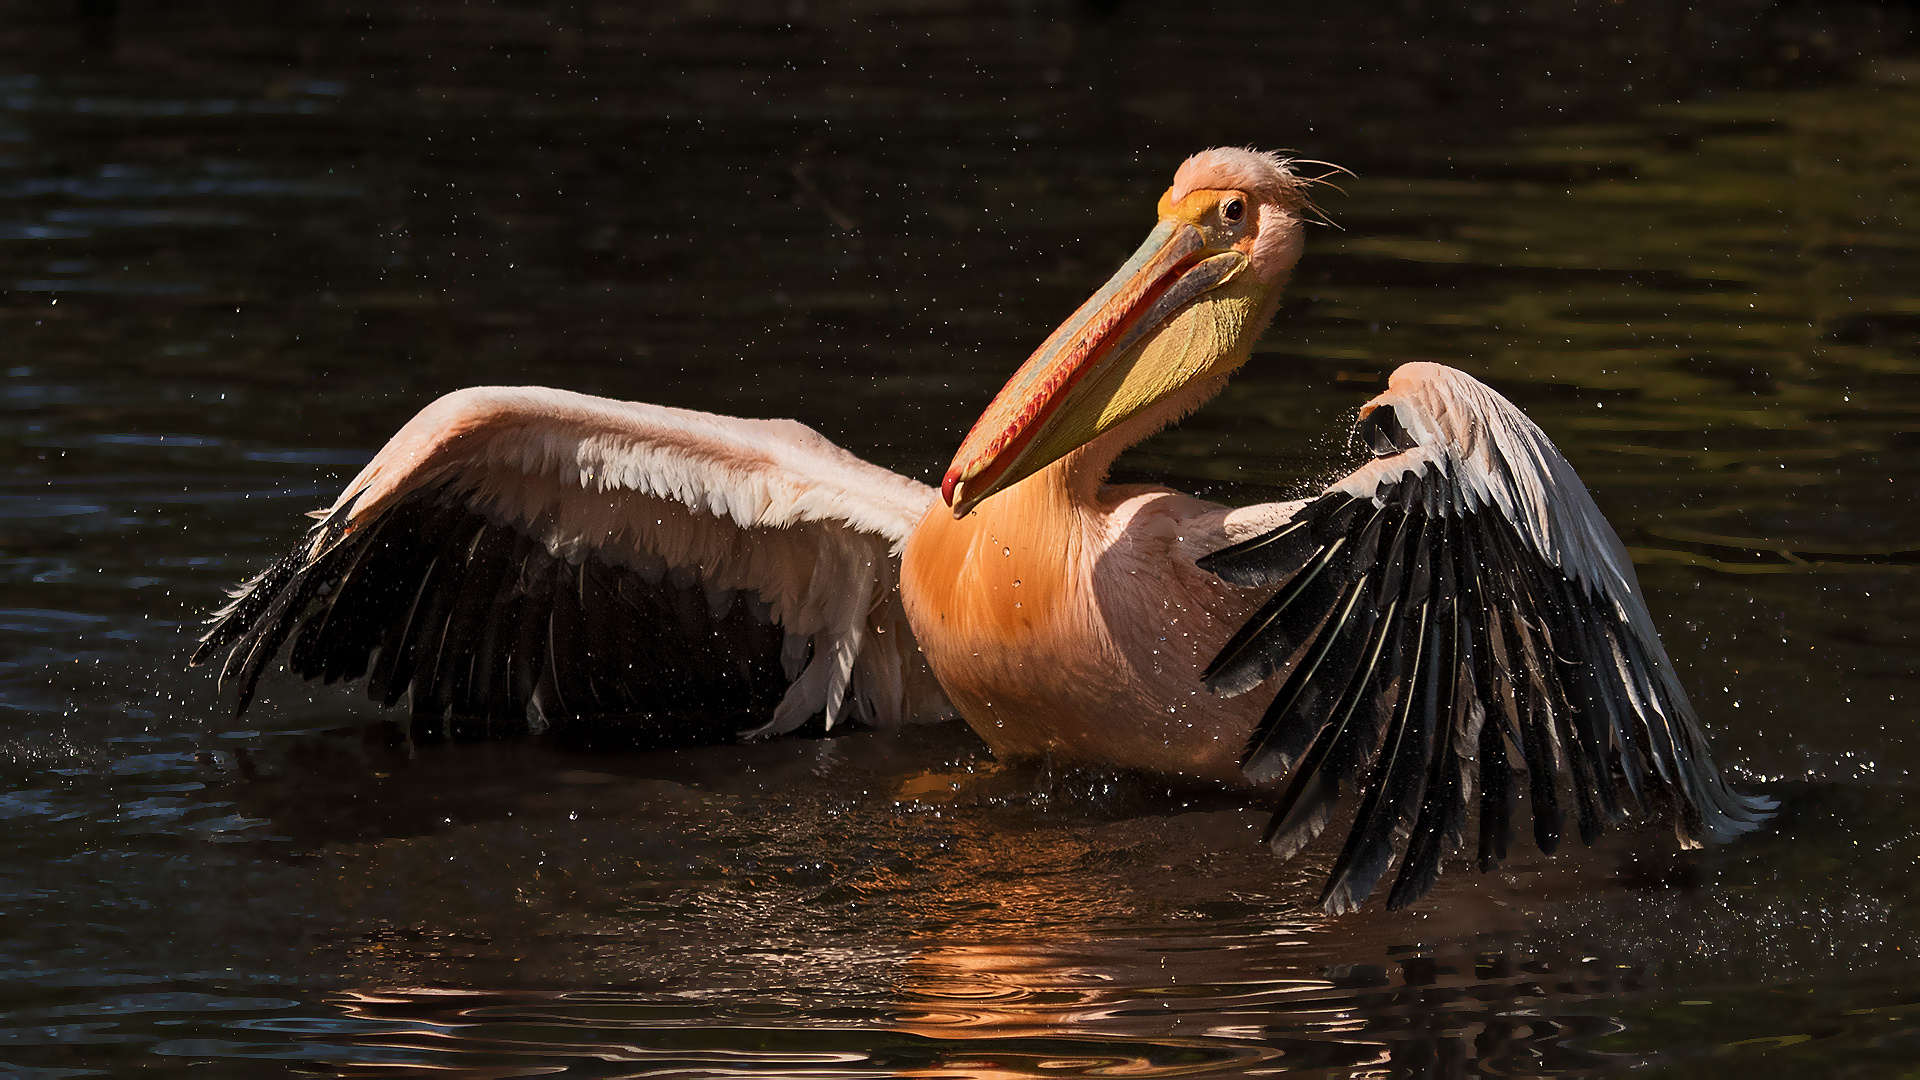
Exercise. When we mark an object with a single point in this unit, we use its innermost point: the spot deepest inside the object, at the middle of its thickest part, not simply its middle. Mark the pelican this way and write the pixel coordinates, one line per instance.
(1450, 622)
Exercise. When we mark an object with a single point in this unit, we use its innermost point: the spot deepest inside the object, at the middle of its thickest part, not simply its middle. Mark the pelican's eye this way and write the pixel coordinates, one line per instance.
(1233, 210)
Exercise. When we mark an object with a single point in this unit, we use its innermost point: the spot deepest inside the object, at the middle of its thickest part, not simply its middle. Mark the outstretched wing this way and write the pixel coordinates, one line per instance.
(1454, 604)
(526, 555)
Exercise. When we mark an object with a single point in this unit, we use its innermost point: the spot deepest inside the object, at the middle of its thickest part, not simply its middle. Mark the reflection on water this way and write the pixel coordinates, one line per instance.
(236, 255)
(870, 906)
(1118, 1007)
(975, 934)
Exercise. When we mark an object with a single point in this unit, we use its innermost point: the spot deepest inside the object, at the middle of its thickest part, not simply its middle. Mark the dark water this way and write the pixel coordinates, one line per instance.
(239, 247)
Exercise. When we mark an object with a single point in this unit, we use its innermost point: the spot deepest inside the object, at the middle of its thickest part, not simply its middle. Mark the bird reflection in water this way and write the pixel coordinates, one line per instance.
(965, 932)
(1146, 1006)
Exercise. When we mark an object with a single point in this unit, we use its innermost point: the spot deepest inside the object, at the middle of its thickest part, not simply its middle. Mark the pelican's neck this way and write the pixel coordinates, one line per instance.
(1211, 357)
(1027, 552)
(1078, 477)
(1004, 572)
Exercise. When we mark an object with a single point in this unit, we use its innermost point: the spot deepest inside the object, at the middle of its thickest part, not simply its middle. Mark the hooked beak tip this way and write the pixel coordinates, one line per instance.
(953, 491)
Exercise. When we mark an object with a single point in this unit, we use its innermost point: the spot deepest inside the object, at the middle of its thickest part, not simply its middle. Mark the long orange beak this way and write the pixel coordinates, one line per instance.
(1032, 422)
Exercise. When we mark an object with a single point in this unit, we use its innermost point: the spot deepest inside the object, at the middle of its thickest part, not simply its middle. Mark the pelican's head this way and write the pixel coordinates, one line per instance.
(1170, 326)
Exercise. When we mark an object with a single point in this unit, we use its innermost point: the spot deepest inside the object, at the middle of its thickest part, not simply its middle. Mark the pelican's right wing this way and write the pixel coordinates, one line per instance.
(1456, 601)
(521, 555)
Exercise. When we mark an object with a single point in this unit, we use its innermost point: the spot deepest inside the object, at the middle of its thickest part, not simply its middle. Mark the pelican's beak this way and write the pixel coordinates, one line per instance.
(1100, 366)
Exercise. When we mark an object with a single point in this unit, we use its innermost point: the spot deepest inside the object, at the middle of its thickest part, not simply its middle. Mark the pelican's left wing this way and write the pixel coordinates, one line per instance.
(522, 555)
(1452, 604)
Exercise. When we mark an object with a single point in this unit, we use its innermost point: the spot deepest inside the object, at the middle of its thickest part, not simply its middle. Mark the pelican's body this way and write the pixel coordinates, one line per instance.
(533, 555)
(1071, 622)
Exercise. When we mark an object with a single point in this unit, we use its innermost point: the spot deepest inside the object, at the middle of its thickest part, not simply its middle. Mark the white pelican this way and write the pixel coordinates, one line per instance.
(1454, 614)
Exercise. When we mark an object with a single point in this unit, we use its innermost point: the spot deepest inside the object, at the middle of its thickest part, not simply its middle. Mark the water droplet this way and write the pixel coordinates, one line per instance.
(1018, 605)
(1016, 583)
(1006, 551)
